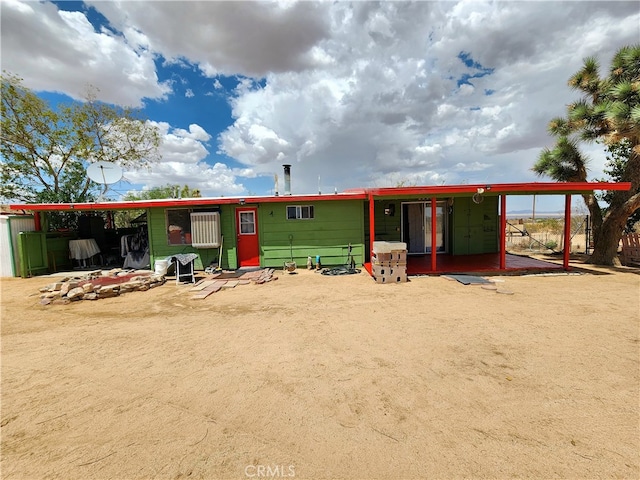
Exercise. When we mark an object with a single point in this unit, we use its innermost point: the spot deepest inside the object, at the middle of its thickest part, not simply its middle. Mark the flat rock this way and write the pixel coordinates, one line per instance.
(74, 293)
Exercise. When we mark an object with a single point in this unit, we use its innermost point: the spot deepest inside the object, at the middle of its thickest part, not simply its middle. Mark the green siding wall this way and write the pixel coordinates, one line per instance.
(388, 227)
(58, 251)
(159, 242)
(472, 228)
(32, 248)
(336, 224)
(475, 226)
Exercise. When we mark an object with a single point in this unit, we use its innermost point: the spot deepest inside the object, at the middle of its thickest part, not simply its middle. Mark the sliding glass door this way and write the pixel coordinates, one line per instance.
(440, 209)
(416, 226)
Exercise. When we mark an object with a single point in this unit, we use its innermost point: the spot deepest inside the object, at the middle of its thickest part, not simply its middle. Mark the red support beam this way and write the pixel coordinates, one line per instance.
(37, 221)
(434, 236)
(503, 232)
(372, 225)
(567, 231)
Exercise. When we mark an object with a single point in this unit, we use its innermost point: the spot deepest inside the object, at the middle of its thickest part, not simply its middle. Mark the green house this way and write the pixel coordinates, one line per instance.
(262, 231)
(444, 228)
(462, 226)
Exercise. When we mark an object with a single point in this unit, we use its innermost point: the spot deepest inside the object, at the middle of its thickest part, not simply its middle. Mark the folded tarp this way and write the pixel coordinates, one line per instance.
(469, 279)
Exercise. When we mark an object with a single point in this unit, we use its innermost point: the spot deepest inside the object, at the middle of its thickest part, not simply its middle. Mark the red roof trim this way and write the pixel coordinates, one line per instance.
(186, 202)
(502, 188)
(352, 194)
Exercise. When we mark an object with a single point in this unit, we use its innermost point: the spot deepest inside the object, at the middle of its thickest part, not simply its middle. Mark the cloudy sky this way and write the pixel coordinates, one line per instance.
(351, 94)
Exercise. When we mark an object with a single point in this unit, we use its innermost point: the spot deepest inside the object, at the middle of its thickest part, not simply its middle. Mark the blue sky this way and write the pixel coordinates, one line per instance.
(351, 94)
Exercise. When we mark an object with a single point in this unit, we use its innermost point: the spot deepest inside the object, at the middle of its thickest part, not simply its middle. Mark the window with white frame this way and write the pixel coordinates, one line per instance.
(247, 223)
(300, 212)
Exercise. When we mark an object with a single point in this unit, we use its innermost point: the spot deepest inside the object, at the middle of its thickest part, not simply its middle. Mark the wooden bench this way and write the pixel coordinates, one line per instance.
(630, 249)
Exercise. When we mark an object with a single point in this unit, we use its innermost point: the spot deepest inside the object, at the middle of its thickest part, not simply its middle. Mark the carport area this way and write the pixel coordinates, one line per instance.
(463, 228)
(480, 263)
(484, 262)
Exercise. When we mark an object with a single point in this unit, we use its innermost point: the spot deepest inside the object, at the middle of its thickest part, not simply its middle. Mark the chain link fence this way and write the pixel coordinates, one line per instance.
(546, 235)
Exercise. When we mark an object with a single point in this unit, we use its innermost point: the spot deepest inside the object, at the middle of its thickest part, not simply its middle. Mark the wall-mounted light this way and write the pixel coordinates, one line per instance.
(390, 210)
(242, 201)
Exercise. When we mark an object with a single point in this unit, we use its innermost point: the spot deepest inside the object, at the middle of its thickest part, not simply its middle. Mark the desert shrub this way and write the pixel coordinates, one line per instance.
(551, 244)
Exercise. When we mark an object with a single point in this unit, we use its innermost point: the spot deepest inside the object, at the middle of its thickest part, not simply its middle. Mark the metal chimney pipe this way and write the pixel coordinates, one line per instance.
(287, 179)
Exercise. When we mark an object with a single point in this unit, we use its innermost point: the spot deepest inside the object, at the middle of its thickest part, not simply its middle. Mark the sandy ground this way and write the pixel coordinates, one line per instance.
(318, 377)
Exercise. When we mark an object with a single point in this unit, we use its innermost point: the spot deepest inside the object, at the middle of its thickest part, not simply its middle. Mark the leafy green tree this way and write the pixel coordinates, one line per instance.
(166, 191)
(45, 151)
(124, 218)
(609, 111)
(617, 156)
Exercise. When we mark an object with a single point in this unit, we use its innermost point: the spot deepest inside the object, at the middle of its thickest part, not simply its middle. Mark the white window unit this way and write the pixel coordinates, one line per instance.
(205, 229)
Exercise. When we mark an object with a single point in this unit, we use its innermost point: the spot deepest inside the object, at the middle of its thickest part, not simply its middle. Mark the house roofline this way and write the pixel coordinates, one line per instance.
(532, 188)
(187, 202)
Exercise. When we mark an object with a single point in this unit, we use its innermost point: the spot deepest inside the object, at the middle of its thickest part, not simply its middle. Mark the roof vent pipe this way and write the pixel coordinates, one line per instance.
(287, 179)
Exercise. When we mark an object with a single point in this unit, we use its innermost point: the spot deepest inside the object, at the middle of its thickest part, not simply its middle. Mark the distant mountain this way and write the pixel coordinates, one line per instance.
(529, 213)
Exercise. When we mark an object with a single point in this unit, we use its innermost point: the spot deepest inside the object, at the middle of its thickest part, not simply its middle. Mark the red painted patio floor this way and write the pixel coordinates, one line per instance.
(486, 262)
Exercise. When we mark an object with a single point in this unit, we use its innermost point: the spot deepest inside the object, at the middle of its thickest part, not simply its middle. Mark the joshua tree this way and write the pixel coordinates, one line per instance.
(608, 112)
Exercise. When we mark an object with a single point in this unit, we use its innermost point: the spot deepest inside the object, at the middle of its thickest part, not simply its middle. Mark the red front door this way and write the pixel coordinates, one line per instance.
(247, 235)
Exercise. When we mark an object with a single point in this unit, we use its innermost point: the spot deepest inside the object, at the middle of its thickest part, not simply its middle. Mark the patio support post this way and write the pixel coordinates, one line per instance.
(36, 221)
(567, 231)
(434, 236)
(503, 232)
(372, 225)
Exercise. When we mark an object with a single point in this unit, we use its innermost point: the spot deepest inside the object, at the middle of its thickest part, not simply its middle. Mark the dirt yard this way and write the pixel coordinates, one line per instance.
(316, 377)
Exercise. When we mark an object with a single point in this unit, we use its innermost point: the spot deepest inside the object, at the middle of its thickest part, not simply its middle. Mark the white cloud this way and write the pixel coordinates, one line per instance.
(212, 180)
(60, 51)
(247, 38)
(397, 87)
(183, 153)
(466, 89)
(472, 167)
(358, 93)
